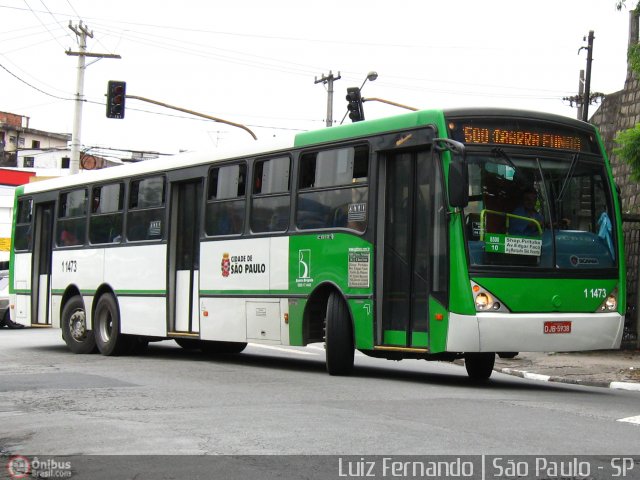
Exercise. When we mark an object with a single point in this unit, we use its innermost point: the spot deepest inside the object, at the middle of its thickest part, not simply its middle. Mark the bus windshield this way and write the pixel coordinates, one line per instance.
(537, 211)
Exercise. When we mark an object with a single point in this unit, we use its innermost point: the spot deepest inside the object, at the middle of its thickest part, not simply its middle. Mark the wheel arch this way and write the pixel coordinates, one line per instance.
(315, 311)
(103, 289)
(70, 292)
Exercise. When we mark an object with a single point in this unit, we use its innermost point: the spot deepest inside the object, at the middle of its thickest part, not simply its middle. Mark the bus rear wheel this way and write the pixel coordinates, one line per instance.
(338, 336)
(74, 327)
(106, 324)
(479, 365)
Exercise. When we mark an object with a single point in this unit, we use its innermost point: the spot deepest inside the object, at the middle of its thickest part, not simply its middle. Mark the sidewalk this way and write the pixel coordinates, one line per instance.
(618, 369)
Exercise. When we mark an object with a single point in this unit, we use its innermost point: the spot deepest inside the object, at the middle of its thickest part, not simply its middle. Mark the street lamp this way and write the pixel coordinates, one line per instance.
(371, 76)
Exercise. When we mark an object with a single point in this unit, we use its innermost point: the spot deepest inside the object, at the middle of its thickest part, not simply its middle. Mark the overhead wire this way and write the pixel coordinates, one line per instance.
(42, 23)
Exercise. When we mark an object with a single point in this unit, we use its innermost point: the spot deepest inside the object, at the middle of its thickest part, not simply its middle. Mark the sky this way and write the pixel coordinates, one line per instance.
(255, 62)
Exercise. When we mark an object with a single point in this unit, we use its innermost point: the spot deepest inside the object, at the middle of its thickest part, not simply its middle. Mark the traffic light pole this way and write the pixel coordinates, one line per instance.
(180, 109)
(82, 32)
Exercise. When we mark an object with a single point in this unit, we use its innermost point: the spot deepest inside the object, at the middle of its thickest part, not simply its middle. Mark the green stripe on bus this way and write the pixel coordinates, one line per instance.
(141, 293)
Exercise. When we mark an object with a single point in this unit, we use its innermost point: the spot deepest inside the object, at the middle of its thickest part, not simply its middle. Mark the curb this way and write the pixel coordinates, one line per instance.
(630, 386)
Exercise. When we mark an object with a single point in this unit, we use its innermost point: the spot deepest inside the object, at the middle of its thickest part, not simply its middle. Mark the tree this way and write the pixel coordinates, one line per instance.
(629, 149)
(629, 140)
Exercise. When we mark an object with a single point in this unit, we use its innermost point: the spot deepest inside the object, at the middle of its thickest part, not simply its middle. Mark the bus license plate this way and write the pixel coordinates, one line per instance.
(557, 327)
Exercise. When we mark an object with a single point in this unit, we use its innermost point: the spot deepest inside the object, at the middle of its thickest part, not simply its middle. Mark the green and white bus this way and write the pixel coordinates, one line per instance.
(433, 235)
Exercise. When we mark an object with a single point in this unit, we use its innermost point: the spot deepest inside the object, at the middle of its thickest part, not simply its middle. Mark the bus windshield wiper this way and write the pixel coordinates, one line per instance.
(565, 182)
(499, 153)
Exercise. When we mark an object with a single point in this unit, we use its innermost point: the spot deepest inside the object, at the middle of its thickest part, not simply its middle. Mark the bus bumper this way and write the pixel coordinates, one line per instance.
(495, 332)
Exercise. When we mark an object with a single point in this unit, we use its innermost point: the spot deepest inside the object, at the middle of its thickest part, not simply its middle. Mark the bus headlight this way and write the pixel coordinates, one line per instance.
(486, 301)
(483, 301)
(611, 303)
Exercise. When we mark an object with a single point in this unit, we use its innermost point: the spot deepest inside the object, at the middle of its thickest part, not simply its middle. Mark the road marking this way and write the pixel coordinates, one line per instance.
(625, 386)
(635, 420)
(536, 376)
(316, 347)
(281, 349)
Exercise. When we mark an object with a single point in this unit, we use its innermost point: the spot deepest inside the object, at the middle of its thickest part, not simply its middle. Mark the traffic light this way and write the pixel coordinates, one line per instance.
(356, 110)
(116, 93)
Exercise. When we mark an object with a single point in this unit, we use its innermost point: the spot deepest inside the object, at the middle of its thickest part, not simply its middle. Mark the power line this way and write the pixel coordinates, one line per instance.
(32, 86)
(42, 23)
(54, 18)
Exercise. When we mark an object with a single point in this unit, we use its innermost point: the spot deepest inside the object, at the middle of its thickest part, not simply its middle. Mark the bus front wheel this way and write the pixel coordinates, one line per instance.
(74, 327)
(106, 325)
(338, 336)
(479, 365)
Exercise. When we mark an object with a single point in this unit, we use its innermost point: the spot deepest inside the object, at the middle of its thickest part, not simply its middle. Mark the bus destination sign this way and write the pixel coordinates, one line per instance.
(535, 136)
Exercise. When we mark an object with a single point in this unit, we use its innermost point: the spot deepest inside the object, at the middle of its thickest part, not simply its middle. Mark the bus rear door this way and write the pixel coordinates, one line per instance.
(41, 264)
(184, 258)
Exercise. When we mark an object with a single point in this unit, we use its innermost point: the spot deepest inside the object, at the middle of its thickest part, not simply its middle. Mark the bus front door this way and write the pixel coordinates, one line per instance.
(184, 258)
(406, 263)
(41, 265)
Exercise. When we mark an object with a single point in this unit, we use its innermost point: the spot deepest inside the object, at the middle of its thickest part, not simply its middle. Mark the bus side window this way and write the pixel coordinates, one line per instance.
(145, 218)
(72, 216)
(105, 223)
(224, 213)
(333, 189)
(270, 203)
(23, 236)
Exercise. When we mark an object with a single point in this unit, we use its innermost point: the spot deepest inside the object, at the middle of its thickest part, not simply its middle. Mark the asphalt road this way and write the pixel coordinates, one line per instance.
(280, 400)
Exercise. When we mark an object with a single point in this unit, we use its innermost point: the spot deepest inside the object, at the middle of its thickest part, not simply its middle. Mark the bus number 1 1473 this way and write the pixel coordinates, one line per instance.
(69, 266)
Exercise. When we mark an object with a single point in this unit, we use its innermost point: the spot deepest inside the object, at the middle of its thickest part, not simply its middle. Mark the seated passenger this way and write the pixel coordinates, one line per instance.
(520, 226)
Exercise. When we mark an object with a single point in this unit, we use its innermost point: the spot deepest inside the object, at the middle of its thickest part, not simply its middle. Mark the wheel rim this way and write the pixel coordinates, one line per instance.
(106, 326)
(78, 325)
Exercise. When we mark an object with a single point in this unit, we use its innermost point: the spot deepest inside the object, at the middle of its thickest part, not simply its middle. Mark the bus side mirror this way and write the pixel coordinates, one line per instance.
(458, 173)
(458, 183)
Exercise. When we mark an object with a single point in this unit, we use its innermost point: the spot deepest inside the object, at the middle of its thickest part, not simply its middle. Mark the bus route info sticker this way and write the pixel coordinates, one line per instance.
(496, 243)
(359, 267)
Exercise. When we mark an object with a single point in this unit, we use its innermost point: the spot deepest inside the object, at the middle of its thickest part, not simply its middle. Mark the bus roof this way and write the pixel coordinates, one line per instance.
(159, 165)
(316, 137)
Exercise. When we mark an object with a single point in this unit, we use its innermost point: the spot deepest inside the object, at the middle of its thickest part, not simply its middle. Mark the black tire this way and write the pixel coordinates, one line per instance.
(5, 317)
(188, 343)
(106, 327)
(74, 327)
(221, 348)
(479, 365)
(338, 336)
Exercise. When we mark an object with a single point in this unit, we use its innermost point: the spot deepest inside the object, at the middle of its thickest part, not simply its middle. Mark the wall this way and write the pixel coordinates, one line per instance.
(620, 111)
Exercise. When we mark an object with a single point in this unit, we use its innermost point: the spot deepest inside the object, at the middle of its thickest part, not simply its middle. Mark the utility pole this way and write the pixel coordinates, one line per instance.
(587, 81)
(328, 80)
(584, 98)
(82, 32)
(580, 93)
